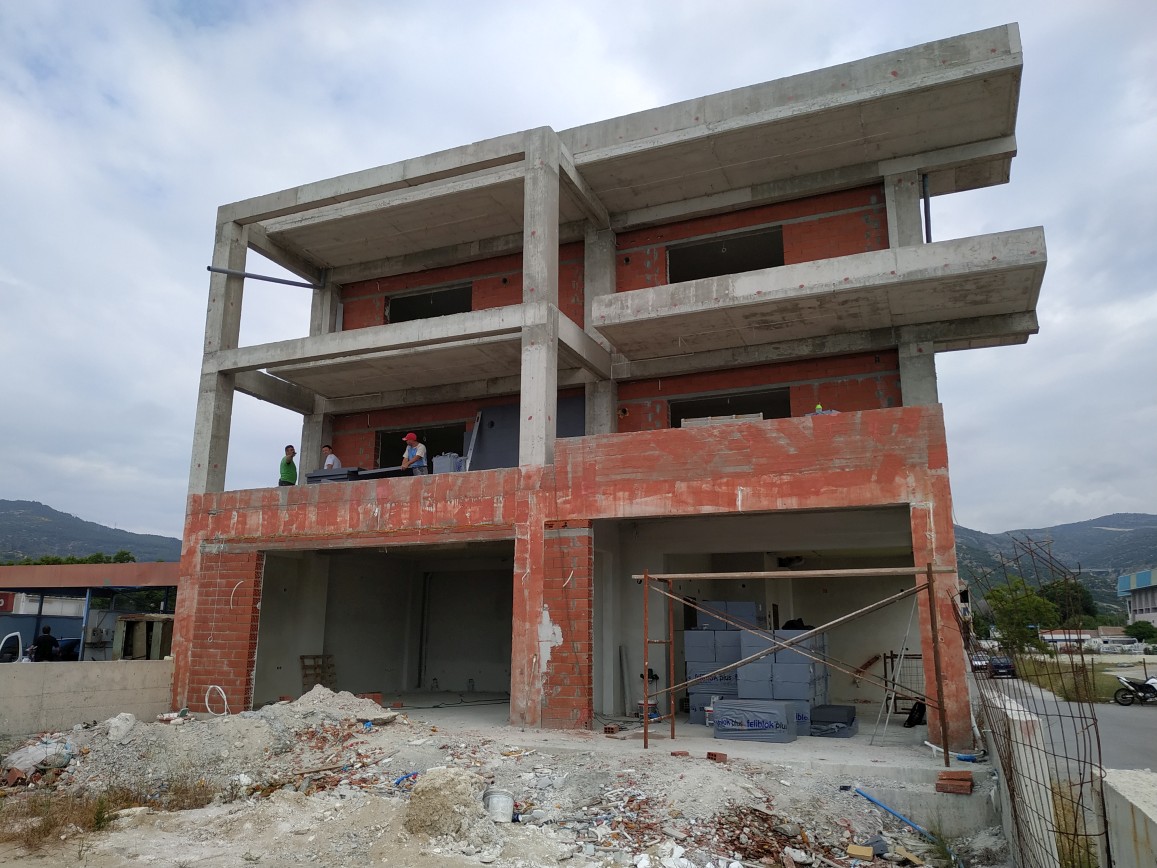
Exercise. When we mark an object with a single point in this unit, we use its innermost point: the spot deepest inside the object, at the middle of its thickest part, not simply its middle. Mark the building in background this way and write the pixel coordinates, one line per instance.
(1140, 595)
(695, 340)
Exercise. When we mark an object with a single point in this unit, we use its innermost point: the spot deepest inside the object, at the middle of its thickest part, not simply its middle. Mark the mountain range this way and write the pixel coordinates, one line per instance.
(32, 530)
(1100, 548)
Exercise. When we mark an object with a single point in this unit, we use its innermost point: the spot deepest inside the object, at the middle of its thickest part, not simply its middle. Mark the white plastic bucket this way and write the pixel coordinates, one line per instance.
(499, 805)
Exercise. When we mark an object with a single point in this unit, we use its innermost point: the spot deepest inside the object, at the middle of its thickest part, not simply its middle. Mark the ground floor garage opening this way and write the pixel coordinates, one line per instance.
(420, 624)
(882, 643)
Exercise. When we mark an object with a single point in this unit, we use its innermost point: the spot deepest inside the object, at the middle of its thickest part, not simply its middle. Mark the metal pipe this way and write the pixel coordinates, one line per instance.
(646, 658)
(671, 655)
(232, 272)
(934, 625)
(927, 209)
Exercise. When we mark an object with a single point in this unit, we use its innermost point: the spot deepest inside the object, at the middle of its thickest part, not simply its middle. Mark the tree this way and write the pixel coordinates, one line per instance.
(1073, 600)
(1142, 631)
(1019, 614)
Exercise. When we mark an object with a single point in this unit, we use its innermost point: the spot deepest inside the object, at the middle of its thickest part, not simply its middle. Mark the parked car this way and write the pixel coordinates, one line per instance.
(69, 649)
(11, 648)
(979, 661)
(1001, 667)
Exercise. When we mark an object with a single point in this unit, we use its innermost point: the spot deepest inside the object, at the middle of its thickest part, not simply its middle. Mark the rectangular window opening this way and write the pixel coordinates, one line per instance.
(725, 254)
(770, 403)
(429, 304)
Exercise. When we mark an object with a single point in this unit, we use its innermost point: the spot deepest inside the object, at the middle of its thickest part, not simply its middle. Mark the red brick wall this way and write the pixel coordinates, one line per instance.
(568, 602)
(850, 460)
(820, 227)
(215, 631)
(865, 381)
(494, 282)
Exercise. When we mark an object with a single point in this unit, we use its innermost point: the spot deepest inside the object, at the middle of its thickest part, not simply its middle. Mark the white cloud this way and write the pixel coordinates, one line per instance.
(126, 125)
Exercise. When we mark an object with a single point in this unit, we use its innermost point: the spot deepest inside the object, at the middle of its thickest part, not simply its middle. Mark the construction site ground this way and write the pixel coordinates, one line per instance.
(333, 779)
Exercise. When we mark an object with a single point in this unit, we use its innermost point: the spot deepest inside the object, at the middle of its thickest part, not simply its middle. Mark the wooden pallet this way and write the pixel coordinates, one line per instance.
(317, 669)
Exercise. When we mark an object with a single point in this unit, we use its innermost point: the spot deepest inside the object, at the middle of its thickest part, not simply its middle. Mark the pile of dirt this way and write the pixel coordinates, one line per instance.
(334, 779)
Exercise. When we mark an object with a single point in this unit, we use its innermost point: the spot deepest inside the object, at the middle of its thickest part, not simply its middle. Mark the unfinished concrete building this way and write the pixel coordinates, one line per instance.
(612, 340)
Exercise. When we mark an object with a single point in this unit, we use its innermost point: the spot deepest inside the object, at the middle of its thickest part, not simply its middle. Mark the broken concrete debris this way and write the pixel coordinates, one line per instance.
(576, 804)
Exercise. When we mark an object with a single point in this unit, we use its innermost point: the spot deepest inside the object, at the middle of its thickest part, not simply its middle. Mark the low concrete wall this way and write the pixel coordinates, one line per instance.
(38, 697)
(1131, 815)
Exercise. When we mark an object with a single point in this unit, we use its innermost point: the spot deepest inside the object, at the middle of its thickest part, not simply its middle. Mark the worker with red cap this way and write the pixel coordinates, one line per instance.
(415, 455)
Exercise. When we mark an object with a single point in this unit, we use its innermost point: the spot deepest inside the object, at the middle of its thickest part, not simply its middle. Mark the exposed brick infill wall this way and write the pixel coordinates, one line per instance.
(566, 630)
(894, 456)
(818, 227)
(215, 632)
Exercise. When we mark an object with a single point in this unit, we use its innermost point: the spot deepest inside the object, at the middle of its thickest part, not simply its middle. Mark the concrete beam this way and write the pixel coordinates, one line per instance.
(434, 189)
(280, 254)
(584, 195)
(264, 387)
(950, 158)
(374, 339)
(748, 197)
(444, 394)
(827, 345)
(463, 160)
(588, 352)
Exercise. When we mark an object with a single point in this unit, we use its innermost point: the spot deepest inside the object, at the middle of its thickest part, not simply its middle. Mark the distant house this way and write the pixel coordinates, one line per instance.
(1140, 595)
(1067, 636)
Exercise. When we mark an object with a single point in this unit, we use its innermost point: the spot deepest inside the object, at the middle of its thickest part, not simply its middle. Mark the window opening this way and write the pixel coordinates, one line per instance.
(725, 254)
(772, 404)
(429, 304)
(439, 440)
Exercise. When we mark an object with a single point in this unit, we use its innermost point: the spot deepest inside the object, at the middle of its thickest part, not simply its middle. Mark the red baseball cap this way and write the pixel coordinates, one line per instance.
(410, 436)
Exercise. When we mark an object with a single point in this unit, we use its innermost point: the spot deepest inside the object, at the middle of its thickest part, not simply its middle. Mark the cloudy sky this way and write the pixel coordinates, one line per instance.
(124, 125)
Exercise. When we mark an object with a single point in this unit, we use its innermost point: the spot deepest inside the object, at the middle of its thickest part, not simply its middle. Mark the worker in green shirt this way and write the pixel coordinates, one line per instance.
(288, 468)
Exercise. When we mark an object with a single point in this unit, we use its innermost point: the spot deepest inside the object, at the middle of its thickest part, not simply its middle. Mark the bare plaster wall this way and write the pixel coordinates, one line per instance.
(468, 632)
(36, 697)
(372, 622)
(292, 623)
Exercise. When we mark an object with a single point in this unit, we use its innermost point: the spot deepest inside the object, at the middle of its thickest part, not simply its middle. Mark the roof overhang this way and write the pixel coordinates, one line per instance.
(979, 279)
(946, 109)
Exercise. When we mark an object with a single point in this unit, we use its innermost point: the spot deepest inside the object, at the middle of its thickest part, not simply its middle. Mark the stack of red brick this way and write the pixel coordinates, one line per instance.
(954, 782)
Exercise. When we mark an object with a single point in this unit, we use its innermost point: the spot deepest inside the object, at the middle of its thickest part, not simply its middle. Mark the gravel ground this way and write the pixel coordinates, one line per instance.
(332, 779)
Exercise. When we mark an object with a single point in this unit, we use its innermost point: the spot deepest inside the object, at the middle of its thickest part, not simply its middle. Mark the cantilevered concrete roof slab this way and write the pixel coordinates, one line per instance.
(982, 279)
(947, 109)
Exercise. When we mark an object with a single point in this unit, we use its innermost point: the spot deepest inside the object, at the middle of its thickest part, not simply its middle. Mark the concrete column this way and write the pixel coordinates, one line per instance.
(902, 198)
(316, 431)
(539, 396)
(918, 374)
(215, 397)
(540, 218)
(325, 309)
(538, 401)
(598, 280)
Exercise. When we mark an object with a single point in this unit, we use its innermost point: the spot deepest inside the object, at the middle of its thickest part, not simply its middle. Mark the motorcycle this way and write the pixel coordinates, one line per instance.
(1132, 691)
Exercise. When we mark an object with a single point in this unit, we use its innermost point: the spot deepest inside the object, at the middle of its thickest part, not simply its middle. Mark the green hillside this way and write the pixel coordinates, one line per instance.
(30, 530)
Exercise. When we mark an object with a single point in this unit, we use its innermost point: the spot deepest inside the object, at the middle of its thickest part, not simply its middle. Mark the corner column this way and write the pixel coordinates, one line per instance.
(902, 199)
(918, 373)
(222, 332)
(539, 398)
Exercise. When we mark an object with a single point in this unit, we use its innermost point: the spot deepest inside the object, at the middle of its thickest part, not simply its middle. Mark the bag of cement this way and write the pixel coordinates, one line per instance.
(42, 755)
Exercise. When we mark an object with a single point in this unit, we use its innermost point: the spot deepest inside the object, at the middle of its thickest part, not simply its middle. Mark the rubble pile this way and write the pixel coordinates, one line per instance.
(331, 776)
